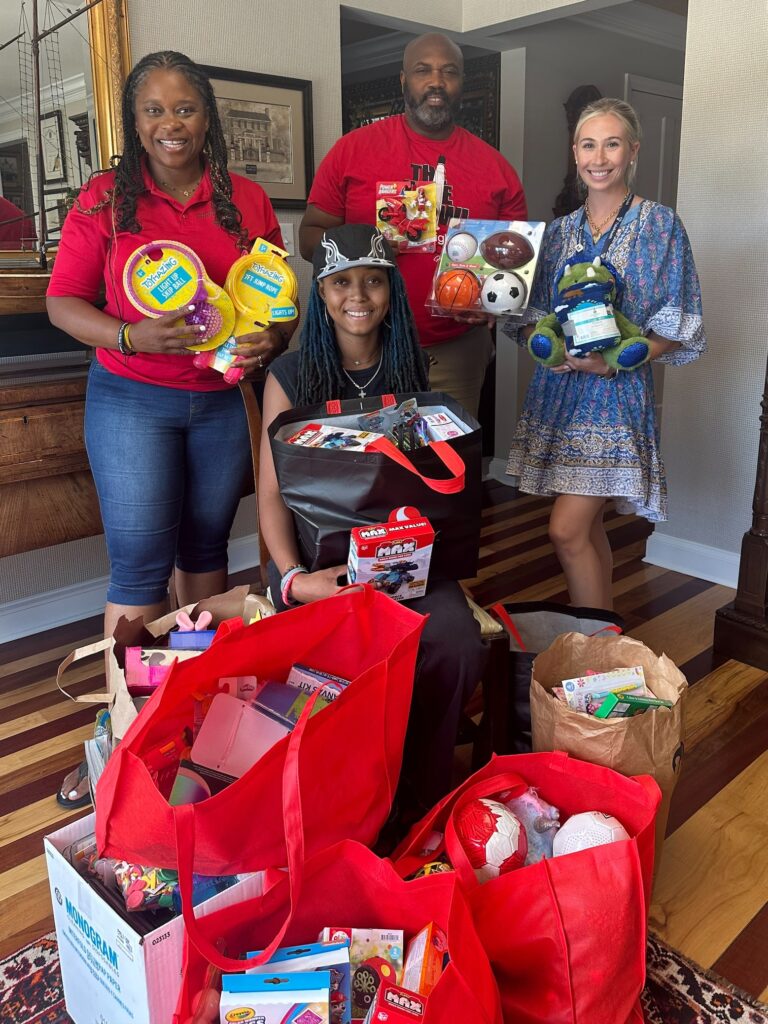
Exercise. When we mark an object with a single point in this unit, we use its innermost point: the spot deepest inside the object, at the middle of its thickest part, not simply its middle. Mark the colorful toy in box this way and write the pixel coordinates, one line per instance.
(375, 957)
(163, 276)
(158, 889)
(539, 819)
(301, 998)
(585, 321)
(318, 956)
(486, 266)
(394, 556)
(396, 1005)
(263, 290)
(425, 959)
(406, 214)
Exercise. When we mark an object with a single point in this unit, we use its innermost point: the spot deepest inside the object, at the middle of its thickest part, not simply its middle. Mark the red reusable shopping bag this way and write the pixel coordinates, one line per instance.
(347, 885)
(350, 753)
(565, 937)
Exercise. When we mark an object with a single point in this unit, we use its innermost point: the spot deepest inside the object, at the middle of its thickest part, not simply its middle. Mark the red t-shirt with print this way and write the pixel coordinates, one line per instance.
(89, 256)
(479, 183)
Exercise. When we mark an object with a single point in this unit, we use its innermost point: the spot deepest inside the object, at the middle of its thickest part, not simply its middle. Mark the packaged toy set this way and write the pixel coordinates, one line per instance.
(261, 289)
(620, 693)
(394, 556)
(406, 215)
(487, 266)
(303, 998)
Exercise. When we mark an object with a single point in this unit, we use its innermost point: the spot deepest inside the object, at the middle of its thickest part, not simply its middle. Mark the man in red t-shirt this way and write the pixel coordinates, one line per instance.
(479, 183)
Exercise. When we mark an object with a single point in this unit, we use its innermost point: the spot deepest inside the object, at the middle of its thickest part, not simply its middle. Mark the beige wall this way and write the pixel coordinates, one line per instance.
(711, 408)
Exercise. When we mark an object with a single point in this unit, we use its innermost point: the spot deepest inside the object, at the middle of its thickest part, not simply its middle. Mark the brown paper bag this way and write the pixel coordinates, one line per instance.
(651, 743)
(133, 633)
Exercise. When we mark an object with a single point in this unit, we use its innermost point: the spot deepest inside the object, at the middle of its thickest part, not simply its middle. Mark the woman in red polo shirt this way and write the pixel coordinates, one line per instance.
(167, 442)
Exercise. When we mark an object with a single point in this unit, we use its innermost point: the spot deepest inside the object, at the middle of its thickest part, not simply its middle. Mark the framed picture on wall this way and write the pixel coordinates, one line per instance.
(54, 156)
(267, 123)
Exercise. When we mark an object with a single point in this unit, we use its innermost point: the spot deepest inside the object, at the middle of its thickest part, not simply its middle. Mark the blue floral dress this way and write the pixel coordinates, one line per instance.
(580, 433)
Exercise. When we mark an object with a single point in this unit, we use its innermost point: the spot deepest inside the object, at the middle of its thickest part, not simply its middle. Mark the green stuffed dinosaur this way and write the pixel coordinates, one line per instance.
(585, 321)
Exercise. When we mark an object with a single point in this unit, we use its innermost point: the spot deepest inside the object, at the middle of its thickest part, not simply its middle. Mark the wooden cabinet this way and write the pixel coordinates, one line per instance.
(46, 490)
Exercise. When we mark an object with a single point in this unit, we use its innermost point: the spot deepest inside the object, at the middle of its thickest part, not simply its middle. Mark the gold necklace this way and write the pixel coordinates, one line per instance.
(597, 229)
(187, 192)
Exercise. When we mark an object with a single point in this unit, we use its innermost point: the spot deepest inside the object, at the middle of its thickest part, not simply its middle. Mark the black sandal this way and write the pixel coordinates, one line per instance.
(73, 783)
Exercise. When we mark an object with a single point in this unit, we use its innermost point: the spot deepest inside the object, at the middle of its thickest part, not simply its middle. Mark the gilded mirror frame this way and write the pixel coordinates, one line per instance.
(22, 289)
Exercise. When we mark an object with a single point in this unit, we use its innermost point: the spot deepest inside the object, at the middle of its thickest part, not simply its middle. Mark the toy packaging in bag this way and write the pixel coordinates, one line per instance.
(316, 956)
(406, 214)
(487, 266)
(302, 998)
(375, 957)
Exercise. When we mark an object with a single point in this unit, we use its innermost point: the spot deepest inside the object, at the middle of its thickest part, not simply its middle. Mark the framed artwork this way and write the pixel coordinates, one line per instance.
(54, 158)
(267, 123)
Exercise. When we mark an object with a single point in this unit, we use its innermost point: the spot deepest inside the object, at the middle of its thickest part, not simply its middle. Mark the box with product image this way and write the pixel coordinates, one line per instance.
(300, 998)
(396, 1005)
(375, 957)
(112, 969)
(317, 956)
(393, 557)
(487, 266)
(406, 214)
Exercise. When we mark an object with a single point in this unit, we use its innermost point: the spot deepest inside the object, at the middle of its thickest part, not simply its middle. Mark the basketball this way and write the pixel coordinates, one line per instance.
(457, 289)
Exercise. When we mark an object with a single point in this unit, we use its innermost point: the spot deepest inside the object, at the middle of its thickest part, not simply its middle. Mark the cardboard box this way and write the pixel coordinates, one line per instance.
(111, 973)
(394, 557)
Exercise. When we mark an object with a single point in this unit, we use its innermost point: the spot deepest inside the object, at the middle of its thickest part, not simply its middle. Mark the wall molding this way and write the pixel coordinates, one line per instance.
(82, 600)
(693, 559)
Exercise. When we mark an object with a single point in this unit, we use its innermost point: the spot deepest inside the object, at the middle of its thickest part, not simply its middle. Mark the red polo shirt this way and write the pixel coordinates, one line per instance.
(91, 254)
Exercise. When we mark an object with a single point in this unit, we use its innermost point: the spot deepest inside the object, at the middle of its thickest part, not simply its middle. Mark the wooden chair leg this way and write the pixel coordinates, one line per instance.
(253, 414)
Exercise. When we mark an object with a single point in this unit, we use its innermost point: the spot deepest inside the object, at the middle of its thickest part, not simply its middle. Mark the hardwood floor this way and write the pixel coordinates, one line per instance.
(711, 896)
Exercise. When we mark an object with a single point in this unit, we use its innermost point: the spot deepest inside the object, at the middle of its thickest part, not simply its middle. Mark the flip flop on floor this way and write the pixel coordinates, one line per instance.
(74, 790)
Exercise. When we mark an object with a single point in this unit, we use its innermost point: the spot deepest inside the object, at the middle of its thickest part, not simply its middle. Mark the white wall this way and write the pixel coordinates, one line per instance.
(711, 408)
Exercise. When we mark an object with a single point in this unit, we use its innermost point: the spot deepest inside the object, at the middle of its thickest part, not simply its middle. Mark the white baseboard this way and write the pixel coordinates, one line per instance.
(82, 600)
(497, 470)
(686, 556)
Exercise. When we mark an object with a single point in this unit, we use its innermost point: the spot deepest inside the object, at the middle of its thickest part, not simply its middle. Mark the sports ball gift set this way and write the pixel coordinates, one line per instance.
(486, 266)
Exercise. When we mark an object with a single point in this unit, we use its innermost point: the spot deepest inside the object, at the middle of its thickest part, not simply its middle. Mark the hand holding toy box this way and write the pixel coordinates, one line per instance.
(393, 557)
(486, 267)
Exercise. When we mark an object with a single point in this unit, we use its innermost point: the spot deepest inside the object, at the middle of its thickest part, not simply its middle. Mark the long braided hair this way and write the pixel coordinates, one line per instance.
(321, 378)
(129, 182)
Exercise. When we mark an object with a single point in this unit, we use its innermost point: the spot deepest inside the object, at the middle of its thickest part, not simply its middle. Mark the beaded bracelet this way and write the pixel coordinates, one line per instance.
(285, 583)
(124, 346)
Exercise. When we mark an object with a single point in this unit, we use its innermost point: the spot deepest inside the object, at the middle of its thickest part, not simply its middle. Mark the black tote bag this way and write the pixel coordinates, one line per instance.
(331, 491)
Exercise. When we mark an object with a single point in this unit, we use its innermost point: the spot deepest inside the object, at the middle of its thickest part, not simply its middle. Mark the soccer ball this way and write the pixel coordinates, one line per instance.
(590, 828)
(503, 293)
(461, 246)
(492, 837)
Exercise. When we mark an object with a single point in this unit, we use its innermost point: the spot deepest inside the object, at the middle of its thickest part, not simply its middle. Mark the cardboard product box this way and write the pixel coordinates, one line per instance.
(394, 557)
(111, 973)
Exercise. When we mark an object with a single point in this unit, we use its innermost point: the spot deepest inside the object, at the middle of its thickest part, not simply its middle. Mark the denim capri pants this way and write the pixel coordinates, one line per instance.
(170, 468)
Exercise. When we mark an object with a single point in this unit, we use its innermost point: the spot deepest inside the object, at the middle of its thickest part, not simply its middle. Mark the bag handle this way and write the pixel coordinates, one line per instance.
(78, 655)
(505, 618)
(411, 862)
(184, 822)
(451, 459)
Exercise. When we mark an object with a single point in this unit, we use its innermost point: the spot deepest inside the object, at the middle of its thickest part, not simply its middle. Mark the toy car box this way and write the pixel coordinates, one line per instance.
(486, 267)
(110, 970)
(406, 214)
(395, 1005)
(393, 557)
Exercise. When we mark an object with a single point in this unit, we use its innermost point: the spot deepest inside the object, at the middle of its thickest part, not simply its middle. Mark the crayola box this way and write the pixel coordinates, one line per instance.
(301, 998)
(316, 956)
(393, 557)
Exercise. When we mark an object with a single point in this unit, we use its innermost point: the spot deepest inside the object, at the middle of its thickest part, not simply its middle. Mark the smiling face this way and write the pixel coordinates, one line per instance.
(431, 79)
(171, 120)
(603, 153)
(357, 300)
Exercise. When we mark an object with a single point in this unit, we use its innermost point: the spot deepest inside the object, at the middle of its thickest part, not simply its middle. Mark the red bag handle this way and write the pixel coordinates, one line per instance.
(184, 822)
(506, 620)
(333, 407)
(411, 862)
(449, 458)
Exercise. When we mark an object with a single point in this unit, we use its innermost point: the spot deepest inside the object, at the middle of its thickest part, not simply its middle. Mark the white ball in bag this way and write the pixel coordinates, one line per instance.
(590, 828)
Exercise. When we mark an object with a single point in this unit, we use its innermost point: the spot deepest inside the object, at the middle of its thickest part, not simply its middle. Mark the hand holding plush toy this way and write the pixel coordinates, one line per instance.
(585, 321)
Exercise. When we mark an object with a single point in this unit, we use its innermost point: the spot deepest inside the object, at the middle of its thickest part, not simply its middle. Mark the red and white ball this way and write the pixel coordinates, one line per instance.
(492, 837)
(590, 828)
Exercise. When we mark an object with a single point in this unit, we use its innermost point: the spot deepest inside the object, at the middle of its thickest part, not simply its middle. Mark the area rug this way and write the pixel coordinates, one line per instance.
(677, 992)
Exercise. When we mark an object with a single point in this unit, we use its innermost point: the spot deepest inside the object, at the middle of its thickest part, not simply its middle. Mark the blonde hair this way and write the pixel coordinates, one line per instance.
(625, 113)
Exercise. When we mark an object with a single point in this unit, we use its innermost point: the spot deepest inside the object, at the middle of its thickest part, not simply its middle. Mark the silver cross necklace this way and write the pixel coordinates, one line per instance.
(361, 392)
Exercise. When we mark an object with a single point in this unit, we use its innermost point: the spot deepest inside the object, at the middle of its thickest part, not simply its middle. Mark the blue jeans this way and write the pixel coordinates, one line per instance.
(170, 468)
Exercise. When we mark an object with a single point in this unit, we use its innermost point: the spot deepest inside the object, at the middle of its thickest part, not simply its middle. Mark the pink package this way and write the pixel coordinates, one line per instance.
(147, 667)
(234, 735)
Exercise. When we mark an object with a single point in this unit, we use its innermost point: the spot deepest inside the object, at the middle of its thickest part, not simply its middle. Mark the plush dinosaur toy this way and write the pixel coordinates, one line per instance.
(585, 321)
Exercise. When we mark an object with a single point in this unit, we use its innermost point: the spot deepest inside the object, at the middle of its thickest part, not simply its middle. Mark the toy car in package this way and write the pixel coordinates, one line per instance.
(394, 556)
(487, 266)
(406, 214)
